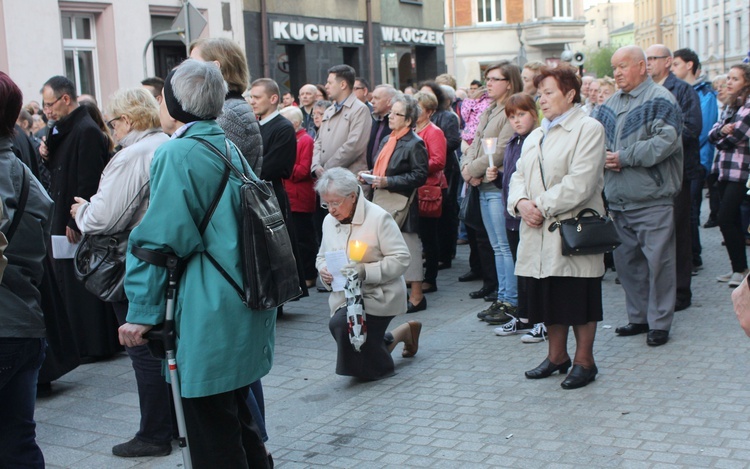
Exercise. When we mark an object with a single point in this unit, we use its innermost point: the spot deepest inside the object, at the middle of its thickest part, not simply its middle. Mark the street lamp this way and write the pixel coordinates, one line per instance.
(521, 49)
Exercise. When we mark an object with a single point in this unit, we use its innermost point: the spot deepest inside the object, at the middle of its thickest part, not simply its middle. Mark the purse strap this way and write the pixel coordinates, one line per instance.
(21, 208)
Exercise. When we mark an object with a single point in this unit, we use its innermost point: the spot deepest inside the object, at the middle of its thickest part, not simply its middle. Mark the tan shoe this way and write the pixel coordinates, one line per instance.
(415, 327)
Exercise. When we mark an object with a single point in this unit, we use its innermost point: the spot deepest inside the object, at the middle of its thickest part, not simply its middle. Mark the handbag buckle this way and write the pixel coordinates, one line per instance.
(578, 228)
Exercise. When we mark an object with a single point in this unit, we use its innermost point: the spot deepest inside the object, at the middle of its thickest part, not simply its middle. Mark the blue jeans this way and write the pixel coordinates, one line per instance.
(493, 216)
(20, 360)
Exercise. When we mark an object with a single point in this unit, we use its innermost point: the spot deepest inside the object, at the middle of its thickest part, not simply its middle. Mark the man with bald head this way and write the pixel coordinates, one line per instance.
(643, 174)
(306, 103)
(381, 108)
(659, 66)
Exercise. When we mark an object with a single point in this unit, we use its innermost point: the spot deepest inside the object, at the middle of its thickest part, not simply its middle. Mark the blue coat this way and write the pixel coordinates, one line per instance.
(222, 345)
(710, 111)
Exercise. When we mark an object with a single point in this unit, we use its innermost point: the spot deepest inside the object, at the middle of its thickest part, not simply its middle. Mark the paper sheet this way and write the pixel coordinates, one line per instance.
(62, 249)
(335, 261)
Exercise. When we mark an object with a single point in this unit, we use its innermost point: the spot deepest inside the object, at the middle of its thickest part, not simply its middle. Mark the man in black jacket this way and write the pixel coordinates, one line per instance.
(75, 151)
(381, 107)
(659, 66)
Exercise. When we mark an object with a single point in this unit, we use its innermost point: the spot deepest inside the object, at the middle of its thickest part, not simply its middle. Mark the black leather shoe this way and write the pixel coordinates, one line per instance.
(136, 448)
(682, 305)
(431, 289)
(469, 276)
(492, 297)
(412, 308)
(444, 265)
(579, 377)
(711, 223)
(547, 368)
(657, 337)
(482, 292)
(632, 329)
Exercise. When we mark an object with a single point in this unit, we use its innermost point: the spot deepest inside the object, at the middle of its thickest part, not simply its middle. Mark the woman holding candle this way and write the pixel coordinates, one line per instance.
(402, 167)
(375, 245)
(503, 80)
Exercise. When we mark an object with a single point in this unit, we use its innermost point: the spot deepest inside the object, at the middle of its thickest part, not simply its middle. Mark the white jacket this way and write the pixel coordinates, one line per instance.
(122, 198)
(386, 259)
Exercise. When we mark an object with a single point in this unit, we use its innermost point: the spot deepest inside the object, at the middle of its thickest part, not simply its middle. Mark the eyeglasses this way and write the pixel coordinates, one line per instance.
(49, 105)
(327, 205)
(397, 114)
(494, 80)
(109, 122)
(656, 57)
(359, 87)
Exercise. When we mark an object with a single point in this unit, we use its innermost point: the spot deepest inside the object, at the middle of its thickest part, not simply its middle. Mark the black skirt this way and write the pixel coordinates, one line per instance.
(373, 361)
(569, 301)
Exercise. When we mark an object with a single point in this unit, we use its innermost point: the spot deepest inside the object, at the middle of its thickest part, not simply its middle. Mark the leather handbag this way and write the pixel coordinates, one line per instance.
(99, 263)
(394, 203)
(470, 212)
(430, 201)
(586, 235)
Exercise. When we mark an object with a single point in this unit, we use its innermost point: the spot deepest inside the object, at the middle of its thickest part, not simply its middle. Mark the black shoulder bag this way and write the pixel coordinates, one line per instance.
(583, 235)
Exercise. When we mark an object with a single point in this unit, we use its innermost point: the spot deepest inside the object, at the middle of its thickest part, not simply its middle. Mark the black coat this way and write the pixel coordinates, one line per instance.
(375, 140)
(692, 124)
(77, 155)
(407, 171)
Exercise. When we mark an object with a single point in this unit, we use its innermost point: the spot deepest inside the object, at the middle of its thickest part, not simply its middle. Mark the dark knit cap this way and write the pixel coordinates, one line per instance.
(174, 107)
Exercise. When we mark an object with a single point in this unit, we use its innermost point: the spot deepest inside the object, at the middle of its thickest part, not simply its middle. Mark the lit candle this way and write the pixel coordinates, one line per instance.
(357, 250)
(489, 145)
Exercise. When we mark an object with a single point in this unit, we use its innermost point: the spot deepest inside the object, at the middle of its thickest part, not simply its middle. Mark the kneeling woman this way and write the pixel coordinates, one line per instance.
(352, 217)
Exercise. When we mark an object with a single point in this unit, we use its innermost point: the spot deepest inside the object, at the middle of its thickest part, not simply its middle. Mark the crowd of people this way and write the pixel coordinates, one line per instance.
(401, 176)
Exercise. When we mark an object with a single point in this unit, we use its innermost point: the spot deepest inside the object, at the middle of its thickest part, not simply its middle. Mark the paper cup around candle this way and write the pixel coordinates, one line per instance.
(357, 250)
(489, 145)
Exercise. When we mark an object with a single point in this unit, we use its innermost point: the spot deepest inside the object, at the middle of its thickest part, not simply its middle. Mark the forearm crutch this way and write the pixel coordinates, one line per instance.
(166, 335)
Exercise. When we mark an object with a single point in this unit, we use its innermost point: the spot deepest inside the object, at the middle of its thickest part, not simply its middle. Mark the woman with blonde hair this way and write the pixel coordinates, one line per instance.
(118, 207)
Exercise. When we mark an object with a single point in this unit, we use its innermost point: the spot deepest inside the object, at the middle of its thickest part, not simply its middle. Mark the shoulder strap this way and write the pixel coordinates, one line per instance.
(21, 204)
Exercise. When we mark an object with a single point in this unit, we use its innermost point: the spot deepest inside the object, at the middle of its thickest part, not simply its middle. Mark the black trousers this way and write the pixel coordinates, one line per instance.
(429, 234)
(732, 195)
(683, 242)
(482, 257)
(222, 433)
(307, 243)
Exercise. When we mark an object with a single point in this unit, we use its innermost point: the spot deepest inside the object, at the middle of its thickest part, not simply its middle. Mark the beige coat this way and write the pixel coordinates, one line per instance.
(342, 138)
(573, 162)
(385, 261)
(492, 123)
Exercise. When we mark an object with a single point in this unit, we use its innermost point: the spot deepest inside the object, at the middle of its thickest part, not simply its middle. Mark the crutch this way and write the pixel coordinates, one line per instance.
(166, 335)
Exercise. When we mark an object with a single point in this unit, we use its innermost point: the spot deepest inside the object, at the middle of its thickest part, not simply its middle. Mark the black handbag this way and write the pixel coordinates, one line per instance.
(269, 267)
(582, 235)
(470, 212)
(99, 263)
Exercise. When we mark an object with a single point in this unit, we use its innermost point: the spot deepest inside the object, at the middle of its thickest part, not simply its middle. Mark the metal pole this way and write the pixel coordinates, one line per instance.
(188, 39)
(148, 43)
(264, 38)
(370, 45)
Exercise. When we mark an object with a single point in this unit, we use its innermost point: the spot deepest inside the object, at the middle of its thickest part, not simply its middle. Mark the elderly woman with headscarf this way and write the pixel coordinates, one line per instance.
(117, 207)
(351, 217)
(222, 346)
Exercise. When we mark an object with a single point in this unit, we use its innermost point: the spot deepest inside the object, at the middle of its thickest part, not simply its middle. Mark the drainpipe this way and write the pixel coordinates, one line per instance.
(370, 44)
(264, 38)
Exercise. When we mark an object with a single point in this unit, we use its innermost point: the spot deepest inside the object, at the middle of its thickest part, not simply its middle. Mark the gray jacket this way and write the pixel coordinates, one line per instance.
(645, 126)
(20, 311)
(241, 128)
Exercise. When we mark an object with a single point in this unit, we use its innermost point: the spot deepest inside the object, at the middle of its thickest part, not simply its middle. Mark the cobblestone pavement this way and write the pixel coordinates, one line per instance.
(463, 400)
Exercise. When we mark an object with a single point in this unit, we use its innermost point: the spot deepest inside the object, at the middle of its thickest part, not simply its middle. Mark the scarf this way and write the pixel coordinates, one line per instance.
(384, 157)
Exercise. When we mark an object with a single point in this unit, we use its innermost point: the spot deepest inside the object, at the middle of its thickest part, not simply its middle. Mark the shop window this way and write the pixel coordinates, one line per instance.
(79, 48)
(489, 11)
(563, 9)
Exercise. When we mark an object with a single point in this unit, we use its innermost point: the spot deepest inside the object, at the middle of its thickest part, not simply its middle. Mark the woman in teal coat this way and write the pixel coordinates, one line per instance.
(222, 346)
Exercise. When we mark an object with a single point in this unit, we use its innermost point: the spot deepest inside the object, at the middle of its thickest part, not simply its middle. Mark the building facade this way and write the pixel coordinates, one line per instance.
(602, 19)
(480, 32)
(100, 44)
(717, 30)
(386, 41)
(656, 22)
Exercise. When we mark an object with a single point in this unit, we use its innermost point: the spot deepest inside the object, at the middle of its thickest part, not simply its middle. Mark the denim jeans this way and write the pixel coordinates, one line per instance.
(493, 216)
(20, 360)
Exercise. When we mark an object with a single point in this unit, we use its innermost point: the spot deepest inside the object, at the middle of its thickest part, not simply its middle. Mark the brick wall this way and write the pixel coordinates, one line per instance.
(514, 11)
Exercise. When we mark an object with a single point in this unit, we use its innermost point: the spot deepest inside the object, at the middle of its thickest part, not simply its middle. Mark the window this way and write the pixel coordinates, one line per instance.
(739, 32)
(716, 37)
(687, 39)
(79, 47)
(489, 11)
(562, 9)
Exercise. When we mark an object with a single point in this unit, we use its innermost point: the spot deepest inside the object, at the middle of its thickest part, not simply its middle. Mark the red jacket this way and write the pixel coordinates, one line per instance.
(434, 140)
(299, 187)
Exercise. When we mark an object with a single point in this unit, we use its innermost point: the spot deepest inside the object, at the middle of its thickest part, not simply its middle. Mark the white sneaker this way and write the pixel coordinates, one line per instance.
(514, 326)
(737, 278)
(726, 277)
(537, 334)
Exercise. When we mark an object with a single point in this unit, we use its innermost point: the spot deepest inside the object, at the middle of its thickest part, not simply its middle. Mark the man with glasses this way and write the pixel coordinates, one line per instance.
(75, 152)
(362, 91)
(659, 67)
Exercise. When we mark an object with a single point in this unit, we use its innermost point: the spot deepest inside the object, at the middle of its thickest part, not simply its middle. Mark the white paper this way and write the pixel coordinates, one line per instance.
(62, 249)
(368, 178)
(335, 261)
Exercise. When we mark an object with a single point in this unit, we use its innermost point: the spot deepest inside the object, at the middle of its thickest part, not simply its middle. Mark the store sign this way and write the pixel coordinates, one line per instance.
(286, 30)
(412, 36)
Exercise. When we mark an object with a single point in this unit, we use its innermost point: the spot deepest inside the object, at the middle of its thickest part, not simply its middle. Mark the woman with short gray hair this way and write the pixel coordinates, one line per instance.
(400, 169)
(351, 217)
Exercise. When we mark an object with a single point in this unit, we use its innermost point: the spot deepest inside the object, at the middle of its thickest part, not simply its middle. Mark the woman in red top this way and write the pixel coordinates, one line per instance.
(299, 189)
(435, 142)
